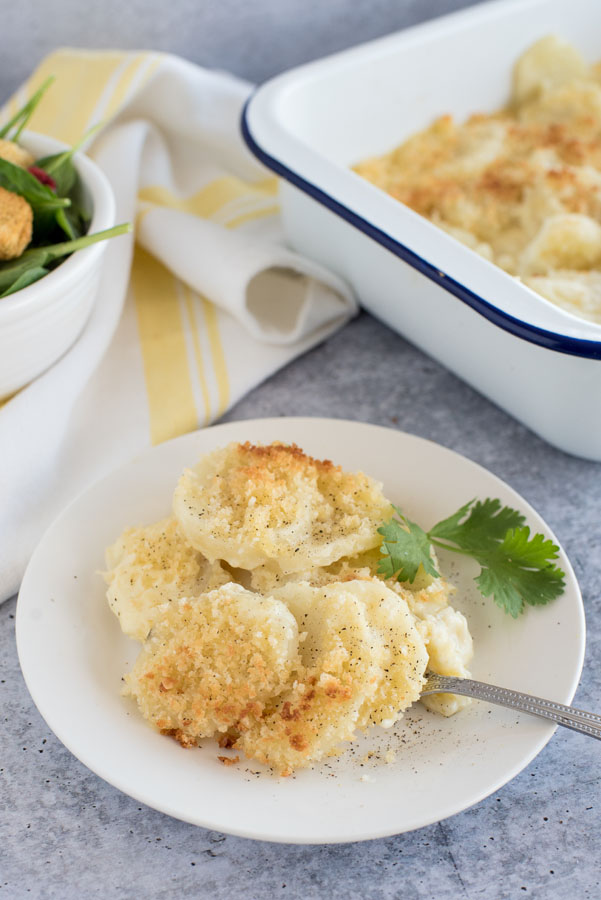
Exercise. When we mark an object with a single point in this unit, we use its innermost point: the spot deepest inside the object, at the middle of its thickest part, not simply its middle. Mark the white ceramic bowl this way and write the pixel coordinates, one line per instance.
(39, 323)
(541, 364)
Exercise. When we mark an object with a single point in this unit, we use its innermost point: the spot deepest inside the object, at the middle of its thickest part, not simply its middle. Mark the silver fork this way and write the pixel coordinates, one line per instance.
(569, 716)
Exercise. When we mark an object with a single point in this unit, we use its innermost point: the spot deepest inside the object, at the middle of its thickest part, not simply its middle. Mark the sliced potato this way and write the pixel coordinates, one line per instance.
(274, 505)
(212, 662)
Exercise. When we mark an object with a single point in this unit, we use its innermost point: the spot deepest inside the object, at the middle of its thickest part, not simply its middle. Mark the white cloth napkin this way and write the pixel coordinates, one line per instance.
(208, 306)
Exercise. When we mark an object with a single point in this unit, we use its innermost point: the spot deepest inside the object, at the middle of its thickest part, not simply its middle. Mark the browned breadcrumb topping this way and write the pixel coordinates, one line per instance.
(286, 672)
(186, 740)
(277, 454)
(229, 760)
(254, 505)
(212, 662)
(521, 186)
(362, 663)
(504, 182)
(153, 565)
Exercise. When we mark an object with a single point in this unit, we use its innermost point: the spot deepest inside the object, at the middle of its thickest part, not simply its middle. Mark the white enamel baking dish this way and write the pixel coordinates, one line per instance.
(311, 124)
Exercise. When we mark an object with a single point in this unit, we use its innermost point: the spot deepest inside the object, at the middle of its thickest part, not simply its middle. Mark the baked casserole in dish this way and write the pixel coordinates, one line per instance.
(490, 317)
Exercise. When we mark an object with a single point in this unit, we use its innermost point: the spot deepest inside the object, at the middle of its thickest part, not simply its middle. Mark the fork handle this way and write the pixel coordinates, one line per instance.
(569, 716)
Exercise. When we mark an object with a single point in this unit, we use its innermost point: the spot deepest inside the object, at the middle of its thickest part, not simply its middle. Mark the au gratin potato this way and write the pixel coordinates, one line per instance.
(262, 618)
(520, 186)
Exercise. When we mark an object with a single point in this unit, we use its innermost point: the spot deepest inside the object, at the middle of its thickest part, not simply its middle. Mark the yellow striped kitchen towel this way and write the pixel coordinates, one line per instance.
(205, 305)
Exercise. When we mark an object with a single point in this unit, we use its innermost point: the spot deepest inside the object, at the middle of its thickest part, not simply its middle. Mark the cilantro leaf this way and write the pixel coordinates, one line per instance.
(516, 569)
(519, 571)
(487, 524)
(406, 546)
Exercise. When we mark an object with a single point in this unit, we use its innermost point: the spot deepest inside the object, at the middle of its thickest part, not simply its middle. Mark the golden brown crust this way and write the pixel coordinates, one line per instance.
(289, 671)
(281, 454)
(275, 505)
(362, 663)
(16, 224)
(229, 760)
(496, 180)
(151, 566)
(212, 662)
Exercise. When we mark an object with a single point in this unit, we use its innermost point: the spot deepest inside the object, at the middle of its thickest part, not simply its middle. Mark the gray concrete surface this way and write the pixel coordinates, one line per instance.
(254, 39)
(66, 834)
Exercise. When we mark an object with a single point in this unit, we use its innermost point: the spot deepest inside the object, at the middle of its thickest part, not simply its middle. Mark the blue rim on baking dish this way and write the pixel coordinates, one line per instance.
(549, 340)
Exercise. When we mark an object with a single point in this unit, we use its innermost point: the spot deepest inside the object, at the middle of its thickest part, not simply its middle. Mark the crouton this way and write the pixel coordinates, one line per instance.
(15, 154)
(16, 224)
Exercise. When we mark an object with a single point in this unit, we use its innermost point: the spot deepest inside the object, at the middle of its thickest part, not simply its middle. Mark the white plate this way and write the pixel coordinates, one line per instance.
(73, 656)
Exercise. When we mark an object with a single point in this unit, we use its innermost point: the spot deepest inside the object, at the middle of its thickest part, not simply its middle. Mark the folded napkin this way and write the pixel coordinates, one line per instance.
(208, 304)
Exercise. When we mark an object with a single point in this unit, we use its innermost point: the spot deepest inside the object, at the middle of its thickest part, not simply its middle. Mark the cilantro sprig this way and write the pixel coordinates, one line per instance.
(516, 569)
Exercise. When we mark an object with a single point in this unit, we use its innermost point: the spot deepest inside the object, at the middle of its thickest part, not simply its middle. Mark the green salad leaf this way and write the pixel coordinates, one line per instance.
(54, 190)
(21, 118)
(42, 258)
(39, 196)
(61, 168)
(27, 277)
